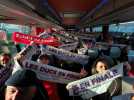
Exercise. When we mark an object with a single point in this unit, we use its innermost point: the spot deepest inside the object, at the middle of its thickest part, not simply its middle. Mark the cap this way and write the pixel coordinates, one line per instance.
(22, 78)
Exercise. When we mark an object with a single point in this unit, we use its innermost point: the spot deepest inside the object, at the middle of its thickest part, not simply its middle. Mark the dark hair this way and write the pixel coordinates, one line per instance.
(93, 71)
(5, 54)
(44, 56)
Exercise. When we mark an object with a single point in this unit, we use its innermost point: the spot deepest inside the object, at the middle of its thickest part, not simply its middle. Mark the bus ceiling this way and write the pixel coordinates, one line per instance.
(61, 13)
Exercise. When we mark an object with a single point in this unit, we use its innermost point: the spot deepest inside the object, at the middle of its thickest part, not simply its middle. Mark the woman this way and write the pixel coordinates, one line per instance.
(100, 66)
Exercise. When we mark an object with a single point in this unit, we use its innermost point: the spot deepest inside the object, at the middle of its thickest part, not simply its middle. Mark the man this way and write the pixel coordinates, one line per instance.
(5, 68)
(4, 59)
(22, 85)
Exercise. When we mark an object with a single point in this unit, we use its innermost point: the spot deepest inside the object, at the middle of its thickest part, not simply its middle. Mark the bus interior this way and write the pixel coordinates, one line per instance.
(73, 35)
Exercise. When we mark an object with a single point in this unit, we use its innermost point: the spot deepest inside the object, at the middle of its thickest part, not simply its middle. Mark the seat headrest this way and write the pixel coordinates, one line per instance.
(109, 60)
(115, 52)
(131, 55)
(93, 53)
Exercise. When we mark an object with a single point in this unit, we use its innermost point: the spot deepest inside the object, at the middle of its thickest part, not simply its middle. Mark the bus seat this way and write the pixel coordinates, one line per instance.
(115, 52)
(93, 53)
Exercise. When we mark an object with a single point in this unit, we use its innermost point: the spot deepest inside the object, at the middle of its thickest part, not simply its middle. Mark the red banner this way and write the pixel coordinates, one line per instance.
(26, 39)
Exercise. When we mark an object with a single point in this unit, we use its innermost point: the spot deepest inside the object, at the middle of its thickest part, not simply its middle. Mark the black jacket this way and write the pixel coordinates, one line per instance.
(41, 93)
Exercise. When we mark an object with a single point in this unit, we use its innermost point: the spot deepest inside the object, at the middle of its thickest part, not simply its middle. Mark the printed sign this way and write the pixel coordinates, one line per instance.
(69, 47)
(82, 51)
(65, 55)
(28, 51)
(65, 37)
(26, 39)
(50, 73)
(96, 84)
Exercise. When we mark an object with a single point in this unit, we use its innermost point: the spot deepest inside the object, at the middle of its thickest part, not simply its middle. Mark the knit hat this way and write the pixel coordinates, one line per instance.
(22, 78)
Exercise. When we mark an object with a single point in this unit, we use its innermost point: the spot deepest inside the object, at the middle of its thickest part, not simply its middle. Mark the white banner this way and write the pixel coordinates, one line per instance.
(29, 51)
(96, 84)
(44, 35)
(66, 55)
(64, 37)
(50, 73)
(82, 51)
(69, 47)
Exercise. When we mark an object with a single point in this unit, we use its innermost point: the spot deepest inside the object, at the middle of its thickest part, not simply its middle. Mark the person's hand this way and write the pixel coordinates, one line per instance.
(32, 43)
(83, 72)
(128, 66)
(19, 57)
(15, 43)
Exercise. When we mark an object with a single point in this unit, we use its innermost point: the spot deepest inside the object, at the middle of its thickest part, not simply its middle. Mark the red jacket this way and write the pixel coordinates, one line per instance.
(52, 90)
(131, 73)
